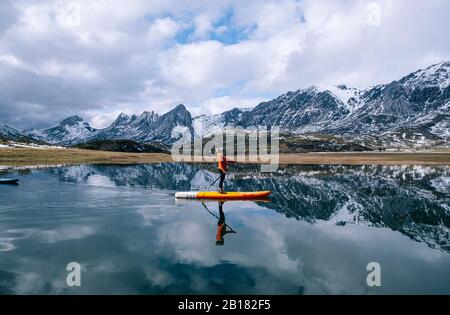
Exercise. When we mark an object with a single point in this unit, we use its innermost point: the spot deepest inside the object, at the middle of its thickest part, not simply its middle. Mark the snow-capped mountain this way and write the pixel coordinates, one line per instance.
(416, 108)
(302, 111)
(8, 133)
(148, 127)
(127, 127)
(205, 125)
(161, 130)
(416, 104)
(71, 130)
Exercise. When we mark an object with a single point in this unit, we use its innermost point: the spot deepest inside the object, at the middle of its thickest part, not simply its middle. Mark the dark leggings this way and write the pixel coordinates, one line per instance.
(222, 179)
(221, 215)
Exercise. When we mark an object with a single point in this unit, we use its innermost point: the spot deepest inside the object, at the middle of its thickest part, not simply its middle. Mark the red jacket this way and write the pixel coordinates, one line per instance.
(222, 162)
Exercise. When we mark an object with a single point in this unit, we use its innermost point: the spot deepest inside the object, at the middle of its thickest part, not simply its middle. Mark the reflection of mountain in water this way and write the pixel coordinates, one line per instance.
(414, 200)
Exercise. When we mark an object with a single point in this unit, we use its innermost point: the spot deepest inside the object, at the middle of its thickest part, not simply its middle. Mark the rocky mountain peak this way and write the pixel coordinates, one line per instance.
(180, 107)
(437, 75)
(121, 119)
(342, 87)
(72, 121)
(148, 116)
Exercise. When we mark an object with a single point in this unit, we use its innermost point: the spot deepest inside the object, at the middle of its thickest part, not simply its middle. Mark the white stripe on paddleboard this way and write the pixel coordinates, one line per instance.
(186, 195)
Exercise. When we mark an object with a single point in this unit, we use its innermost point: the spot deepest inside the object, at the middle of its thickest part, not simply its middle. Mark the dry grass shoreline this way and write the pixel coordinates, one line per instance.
(29, 157)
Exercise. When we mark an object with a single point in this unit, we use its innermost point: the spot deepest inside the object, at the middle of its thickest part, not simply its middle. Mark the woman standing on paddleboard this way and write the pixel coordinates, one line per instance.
(222, 164)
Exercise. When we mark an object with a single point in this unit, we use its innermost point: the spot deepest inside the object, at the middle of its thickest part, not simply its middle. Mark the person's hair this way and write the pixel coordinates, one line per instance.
(219, 150)
(219, 242)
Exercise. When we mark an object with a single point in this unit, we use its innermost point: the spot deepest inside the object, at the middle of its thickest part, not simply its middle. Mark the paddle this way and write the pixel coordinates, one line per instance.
(217, 217)
(213, 182)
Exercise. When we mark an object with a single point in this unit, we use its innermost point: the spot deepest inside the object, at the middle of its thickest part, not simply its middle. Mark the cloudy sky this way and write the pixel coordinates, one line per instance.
(99, 58)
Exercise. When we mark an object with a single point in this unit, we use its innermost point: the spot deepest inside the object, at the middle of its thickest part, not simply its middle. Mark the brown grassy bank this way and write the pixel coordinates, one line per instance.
(25, 156)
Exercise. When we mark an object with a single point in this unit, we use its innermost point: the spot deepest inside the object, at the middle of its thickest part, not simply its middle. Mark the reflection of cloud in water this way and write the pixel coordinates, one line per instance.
(10, 237)
(190, 242)
(27, 282)
(33, 276)
(6, 244)
(324, 262)
(187, 236)
(100, 181)
(334, 258)
(65, 233)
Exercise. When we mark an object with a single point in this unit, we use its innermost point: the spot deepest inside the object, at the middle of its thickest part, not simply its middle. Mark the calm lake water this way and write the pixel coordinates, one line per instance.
(324, 224)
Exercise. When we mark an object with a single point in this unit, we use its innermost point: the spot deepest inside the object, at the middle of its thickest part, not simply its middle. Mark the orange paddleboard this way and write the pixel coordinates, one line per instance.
(225, 196)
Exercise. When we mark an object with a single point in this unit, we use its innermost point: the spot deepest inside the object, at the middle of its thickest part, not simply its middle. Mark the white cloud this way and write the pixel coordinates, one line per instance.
(203, 25)
(192, 65)
(78, 71)
(13, 61)
(161, 29)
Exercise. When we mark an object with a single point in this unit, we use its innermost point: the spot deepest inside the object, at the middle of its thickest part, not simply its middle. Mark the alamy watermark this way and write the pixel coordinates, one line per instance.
(373, 17)
(373, 279)
(252, 144)
(73, 278)
(68, 12)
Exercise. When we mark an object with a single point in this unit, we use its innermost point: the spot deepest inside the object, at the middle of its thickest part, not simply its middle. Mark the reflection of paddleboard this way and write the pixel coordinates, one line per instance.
(8, 180)
(180, 201)
(225, 196)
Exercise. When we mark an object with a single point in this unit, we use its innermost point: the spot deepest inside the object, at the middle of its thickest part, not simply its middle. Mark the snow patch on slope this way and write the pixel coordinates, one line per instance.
(441, 184)
(435, 75)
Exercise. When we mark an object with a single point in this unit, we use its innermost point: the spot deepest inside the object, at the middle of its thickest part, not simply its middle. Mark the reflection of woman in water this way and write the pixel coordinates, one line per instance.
(221, 226)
